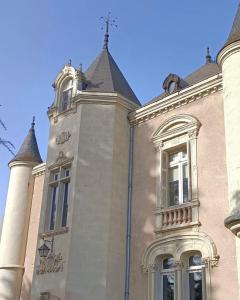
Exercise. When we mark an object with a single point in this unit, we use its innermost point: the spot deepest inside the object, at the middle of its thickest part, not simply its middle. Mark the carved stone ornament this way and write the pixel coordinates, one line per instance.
(53, 263)
(212, 262)
(61, 157)
(150, 268)
(63, 137)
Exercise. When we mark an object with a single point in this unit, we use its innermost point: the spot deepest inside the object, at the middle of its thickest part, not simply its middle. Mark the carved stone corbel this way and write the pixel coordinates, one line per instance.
(211, 262)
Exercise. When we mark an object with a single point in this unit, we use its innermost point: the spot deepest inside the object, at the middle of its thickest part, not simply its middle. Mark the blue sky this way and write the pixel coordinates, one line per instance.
(154, 38)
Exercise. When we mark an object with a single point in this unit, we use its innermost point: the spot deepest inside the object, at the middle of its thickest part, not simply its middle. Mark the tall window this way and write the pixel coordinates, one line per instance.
(59, 197)
(65, 96)
(195, 277)
(178, 177)
(165, 280)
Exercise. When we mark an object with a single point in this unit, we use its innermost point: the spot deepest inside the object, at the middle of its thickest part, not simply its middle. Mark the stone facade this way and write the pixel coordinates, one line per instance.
(133, 202)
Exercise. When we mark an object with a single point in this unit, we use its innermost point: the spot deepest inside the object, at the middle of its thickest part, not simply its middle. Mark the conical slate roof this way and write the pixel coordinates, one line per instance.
(104, 76)
(234, 35)
(29, 149)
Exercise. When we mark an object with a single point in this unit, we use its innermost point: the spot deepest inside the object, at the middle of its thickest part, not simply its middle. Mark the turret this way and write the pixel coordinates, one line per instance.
(229, 59)
(85, 194)
(16, 218)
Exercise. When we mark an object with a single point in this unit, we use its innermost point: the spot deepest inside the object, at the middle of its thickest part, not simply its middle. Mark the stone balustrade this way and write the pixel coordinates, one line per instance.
(177, 216)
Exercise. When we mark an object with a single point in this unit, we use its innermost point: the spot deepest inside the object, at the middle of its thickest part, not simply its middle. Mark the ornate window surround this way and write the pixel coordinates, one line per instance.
(61, 161)
(67, 73)
(176, 131)
(177, 246)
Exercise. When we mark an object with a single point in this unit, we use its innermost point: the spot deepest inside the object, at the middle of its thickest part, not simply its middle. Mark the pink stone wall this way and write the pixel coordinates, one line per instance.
(32, 237)
(212, 186)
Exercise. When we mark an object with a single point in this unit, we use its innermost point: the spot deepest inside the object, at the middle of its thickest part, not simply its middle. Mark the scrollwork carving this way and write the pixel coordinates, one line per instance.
(63, 137)
(61, 158)
(211, 262)
(53, 263)
(150, 268)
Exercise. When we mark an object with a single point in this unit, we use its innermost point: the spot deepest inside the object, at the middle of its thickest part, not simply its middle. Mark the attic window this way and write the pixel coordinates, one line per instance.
(65, 96)
(171, 86)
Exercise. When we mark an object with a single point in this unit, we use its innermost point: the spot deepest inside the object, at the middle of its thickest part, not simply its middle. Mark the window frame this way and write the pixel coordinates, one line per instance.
(180, 246)
(180, 163)
(67, 87)
(60, 199)
(175, 132)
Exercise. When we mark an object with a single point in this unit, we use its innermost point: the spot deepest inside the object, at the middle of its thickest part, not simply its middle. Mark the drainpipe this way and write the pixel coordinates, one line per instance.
(129, 215)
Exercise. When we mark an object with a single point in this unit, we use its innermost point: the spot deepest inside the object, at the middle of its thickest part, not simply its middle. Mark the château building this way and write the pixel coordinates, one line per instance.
(133, 202)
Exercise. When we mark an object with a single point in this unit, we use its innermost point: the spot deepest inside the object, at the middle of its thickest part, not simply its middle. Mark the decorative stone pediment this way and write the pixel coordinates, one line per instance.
(62, 159)
(176, 126)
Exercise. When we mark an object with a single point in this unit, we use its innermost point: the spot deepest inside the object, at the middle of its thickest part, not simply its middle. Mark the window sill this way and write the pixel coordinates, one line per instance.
(176, 227)
(54, 232)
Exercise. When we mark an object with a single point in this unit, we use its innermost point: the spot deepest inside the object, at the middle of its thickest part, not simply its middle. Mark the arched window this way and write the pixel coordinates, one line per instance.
(193, 273)
(179, 267)
(65, 95)
(165, 278)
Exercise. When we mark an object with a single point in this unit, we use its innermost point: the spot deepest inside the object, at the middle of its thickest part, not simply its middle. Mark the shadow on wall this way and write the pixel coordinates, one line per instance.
(236, 200)
(24, 293)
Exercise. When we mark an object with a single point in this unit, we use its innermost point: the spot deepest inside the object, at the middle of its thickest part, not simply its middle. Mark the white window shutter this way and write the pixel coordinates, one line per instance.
(164, 178)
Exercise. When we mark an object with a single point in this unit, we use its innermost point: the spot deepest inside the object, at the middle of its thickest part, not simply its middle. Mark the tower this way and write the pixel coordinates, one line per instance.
(229, 60)
(84, 210)
(16, 219)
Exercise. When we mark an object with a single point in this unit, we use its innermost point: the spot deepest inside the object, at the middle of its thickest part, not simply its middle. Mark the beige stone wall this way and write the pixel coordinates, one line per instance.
(93, 249)
(32, 236)
(212, 183)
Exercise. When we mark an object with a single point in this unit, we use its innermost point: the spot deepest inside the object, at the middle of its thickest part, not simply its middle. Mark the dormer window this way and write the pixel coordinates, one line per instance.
(66, 95)
(171, 87)
(173, 83)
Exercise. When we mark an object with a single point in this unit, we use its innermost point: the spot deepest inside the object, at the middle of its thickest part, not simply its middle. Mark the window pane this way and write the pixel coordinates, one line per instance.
(168, 263)
(174, 186)
(195, 260)
(65, 204)
(173, 158)
(66, 97)
(184, 154)
(168, 287)
(173, 174)
(54, 176)
(53, 208)
(195, 285)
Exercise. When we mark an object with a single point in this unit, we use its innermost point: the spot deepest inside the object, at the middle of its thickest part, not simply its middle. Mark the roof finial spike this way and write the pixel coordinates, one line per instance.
(108, 22)
(208, 56)
(70, 62)
(33, 123)
(80, 68)
(106, 36)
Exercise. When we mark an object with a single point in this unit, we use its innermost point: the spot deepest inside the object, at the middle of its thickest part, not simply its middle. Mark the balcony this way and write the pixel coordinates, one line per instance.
(177, 217)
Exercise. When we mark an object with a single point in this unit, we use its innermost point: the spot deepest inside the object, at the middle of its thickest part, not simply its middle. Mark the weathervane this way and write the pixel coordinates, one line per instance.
(108, 22)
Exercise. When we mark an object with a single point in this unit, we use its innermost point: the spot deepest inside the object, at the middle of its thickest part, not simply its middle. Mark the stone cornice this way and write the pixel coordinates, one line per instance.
(225, 52)
(171, 102)
(39, 169)
(84, 97)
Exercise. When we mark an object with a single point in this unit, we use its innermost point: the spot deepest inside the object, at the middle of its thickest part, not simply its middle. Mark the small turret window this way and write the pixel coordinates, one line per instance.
(65, 96)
